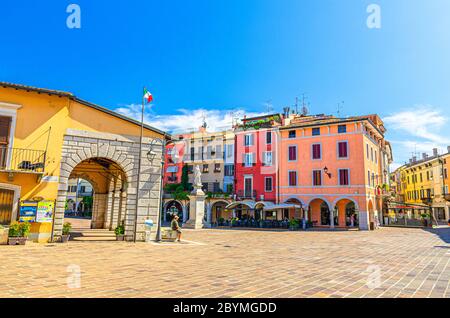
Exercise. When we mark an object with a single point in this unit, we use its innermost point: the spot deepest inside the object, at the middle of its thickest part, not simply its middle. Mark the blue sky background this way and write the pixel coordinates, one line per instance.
(216, 56)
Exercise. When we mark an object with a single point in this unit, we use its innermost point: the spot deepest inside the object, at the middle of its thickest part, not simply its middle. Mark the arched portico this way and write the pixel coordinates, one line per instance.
(321, 214)
(109, 163)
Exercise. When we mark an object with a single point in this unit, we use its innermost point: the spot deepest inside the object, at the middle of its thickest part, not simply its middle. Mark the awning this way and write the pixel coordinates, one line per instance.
(250, 204)
(282, 206)
(172, 169)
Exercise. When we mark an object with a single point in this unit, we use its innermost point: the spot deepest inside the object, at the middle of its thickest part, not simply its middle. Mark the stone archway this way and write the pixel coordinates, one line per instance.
(321, 212)
(346, 212)
(116, 200)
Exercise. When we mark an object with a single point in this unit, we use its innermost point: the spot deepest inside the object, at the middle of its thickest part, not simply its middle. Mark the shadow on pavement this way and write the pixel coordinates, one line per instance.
(442, 232)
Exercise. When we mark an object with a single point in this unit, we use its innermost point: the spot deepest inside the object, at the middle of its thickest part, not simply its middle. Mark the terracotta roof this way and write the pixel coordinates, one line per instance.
(81, 101)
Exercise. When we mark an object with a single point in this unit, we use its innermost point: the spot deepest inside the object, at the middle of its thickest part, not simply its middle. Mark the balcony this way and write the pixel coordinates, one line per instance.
(22, 160)
(244, 195)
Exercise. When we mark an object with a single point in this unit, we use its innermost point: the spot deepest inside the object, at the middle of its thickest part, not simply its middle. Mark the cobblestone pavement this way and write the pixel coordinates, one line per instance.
(389, 262)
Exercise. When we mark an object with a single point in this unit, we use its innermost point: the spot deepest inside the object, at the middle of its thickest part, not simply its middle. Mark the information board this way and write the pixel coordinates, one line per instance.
(45, 211)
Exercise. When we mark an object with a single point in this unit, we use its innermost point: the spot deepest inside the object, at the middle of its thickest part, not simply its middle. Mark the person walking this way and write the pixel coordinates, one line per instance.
(176, 227)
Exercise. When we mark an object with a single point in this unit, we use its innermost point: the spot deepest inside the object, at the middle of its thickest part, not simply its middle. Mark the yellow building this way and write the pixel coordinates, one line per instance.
(48, 137)
(425, 182)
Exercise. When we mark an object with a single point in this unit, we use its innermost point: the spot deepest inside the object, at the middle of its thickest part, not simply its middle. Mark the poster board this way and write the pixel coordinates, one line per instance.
(27, 211)
(45, 210)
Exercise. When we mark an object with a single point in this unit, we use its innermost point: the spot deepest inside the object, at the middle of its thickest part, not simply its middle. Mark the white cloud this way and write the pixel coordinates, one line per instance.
(422, 121)
(186, 119)
(417, 130)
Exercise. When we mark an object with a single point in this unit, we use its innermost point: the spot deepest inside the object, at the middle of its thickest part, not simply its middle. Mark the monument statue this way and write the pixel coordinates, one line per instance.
(196, 202)
(197, 177)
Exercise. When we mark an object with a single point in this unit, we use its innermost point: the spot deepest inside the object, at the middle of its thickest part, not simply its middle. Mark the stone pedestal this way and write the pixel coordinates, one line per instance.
(196, 209)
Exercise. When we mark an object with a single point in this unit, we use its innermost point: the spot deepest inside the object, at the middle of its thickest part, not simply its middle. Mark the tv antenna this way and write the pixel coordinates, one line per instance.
(304, 108)
(340, 106)
(269, 106)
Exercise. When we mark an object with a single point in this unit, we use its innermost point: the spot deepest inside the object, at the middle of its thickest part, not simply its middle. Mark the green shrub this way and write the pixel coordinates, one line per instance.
(14, 230)
(120, 230)
(67, 227)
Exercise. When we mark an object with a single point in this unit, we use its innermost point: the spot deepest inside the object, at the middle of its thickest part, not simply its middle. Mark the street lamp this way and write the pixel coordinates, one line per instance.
(326, 172)
(151, 154)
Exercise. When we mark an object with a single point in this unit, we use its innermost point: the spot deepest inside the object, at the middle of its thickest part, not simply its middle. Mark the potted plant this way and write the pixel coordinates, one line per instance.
(67, 227)
(221, 221)
(120, 232)
(293, 224)
(18, 233)
(424, 219)
(3, 235)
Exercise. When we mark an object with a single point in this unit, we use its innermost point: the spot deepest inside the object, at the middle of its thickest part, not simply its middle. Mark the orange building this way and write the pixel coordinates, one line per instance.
(335, 169)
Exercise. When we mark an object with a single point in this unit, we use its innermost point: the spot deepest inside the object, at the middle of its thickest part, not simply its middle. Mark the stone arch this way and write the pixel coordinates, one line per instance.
(122, 152)
(218, 211)
(342, 215)
(321, 211)
(175, 203)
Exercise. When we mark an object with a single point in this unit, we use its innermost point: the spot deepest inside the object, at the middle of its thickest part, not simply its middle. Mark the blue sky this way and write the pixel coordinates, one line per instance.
(214, 57)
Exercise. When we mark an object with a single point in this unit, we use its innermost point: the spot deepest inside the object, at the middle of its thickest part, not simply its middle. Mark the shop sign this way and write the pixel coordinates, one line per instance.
(45, 211)
(27, 211)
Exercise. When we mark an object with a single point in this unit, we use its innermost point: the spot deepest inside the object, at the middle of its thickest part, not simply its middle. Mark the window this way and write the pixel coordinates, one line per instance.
(190, 169)
(373, 179)
(248, 140)
(344, 177)
(317, 178)
(205, 168)
(316, 131)
(367, 150)
(82, 189)
(217, 167)
(268, 184)
(342, 149)
(192, 153)
(428, 175)
(292, 153)
(342, 129)
(316, 152)
(376, 157)
(230, 151)
(368, 178)
(420, 177)
(445, 173)
(216, 187)
(229, 170)
(248, 162)
(219, 153)
(268, 137)
(371, 154)
(292, 134)
(267, 157)
(292, 178)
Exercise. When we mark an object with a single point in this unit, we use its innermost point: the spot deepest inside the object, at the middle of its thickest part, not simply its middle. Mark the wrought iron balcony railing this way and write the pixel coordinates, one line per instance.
(17, 159)
(242, 194)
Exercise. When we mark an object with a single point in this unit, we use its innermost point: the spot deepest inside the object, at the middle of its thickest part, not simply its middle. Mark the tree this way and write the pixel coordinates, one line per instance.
(185, 177)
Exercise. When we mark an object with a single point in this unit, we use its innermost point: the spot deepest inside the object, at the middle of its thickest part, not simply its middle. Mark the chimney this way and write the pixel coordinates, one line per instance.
(435, 152)
(414, 159)
(424, 155)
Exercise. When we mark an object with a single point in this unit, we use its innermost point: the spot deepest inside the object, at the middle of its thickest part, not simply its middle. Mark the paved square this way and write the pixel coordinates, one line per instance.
(389, 262)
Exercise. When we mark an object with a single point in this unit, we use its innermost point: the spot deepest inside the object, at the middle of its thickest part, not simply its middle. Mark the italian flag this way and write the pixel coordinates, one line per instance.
(148, 96)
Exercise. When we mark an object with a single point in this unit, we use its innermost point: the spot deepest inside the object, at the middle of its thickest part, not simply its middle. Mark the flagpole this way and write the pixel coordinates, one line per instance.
(139, 167)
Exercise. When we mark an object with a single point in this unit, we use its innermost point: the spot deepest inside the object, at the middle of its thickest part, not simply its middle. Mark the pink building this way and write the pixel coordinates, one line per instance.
(332, 168)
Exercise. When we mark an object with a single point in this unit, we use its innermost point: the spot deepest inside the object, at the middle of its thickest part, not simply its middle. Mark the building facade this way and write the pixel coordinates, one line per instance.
(424, 182)
(335, 169)
(49, 137)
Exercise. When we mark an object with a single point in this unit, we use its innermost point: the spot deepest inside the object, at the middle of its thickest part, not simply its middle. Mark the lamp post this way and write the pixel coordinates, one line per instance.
(151, 154)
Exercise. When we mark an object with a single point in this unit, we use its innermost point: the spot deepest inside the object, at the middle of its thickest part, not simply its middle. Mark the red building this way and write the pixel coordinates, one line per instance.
(256, 141)
(173, 168)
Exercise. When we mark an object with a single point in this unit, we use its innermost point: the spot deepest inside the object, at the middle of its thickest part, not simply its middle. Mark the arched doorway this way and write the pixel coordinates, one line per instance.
(351, 215)
(173, 208)
(320, 212)
(219, 213)
(346, 213)
(371, 214)
(109, 194)
(295, 212)
(79, 202)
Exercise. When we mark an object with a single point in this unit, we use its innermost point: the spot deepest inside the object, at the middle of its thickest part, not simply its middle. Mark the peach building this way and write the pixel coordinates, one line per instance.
(334, 169)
